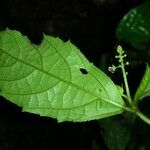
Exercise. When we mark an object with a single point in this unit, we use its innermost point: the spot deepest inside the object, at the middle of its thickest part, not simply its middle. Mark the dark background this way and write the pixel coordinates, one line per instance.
(90, 25)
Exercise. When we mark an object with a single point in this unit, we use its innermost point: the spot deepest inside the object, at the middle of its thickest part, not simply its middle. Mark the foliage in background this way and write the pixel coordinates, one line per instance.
(134, 28)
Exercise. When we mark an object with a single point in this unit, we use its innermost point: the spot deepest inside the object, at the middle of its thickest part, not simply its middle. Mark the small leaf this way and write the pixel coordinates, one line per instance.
(54, 79)
(144, 88)
(134, 28)
(121, 90)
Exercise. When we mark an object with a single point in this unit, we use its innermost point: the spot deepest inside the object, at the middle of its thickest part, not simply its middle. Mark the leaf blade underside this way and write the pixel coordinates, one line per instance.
(47, 80)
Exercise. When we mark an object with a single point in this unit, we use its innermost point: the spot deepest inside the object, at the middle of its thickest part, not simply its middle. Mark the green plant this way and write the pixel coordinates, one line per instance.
(54, 79)
(134, 27)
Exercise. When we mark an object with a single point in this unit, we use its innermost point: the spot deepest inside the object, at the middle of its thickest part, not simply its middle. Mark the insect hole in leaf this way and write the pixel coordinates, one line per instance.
(83, 71)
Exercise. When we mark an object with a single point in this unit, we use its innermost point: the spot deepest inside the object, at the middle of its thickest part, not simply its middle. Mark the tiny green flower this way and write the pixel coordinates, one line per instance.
(112, 68)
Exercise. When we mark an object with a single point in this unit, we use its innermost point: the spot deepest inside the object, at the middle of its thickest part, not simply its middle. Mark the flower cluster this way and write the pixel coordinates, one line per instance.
(121, 55)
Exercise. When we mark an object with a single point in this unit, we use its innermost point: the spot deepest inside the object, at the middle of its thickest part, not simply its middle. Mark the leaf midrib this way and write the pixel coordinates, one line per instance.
(60, 79)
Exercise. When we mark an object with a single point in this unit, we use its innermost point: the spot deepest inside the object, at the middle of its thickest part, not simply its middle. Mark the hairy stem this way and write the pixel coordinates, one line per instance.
(143, 117)
(126, 84)
(139, 114)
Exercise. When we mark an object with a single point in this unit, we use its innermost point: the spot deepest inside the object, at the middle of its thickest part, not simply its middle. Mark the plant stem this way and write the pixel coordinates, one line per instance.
(126, 85)
(139, 114)
(133, 107)
(143, 117)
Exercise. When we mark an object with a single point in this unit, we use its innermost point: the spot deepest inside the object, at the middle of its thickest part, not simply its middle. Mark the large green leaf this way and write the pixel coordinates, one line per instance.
(144, 88)
(135, 27)
(54, 79)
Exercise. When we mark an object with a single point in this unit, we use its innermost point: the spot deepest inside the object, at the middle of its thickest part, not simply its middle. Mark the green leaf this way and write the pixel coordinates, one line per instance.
(54, 79)
(134, 28)
(144, 88)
